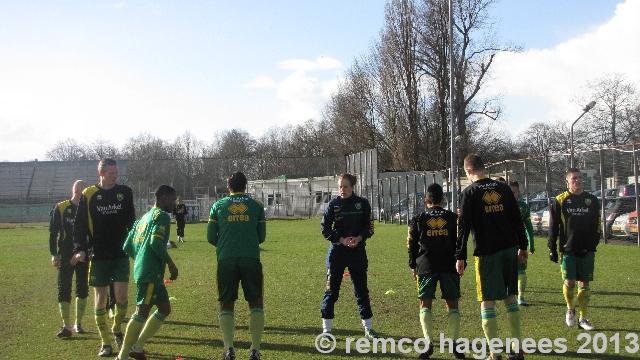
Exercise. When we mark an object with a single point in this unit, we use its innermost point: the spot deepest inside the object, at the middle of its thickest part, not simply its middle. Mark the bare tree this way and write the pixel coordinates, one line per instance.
(68, 150)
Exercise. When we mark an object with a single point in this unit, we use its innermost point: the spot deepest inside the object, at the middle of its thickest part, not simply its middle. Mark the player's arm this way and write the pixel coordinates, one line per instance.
(55, 224)
(212, 226)
(554, 228)
(262, 224)
(81, 231)
(326, 225)
(413, 241)
(128, 246)
(131, 211)
(367, 227)
(516, 220)
(159, 235)
(465, 220)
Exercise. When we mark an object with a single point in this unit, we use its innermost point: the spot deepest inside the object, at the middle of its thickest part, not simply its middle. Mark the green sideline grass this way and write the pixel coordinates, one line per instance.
(294, 267)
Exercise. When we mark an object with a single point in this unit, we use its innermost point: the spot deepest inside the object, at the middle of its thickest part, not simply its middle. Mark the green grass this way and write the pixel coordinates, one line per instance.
(294, 266)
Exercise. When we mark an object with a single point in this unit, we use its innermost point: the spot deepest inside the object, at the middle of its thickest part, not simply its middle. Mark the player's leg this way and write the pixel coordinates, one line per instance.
(228, 282)
(65, 274)
(450, 287)
(335, 272)
(426, 285)
(358, 266)
(120, 276)
(490, 287)
(522, 283)
(252, 280)
(569, 274)
(82, 292)
(510, 271)
(144, 296)
(99, 275)
(584, 276)
(153, 322)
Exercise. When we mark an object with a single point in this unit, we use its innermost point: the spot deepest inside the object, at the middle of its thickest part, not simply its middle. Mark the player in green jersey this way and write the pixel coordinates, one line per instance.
(237, 226)
(525, 213)
(146, 245)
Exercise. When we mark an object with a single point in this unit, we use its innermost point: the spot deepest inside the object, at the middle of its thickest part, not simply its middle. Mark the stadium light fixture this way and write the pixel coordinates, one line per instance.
(586, 109)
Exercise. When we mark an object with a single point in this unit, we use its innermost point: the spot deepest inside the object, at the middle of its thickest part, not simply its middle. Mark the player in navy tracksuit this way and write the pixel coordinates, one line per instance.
(347, 223)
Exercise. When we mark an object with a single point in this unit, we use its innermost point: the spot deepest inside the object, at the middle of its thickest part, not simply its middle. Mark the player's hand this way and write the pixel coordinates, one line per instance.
(530, 252)
(523, 255)
(78, 257)
(55, 261)
(173, 270)
(553, 255)
(460, 265)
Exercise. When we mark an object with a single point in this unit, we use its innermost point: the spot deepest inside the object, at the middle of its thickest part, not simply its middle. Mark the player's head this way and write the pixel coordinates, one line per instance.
(237, 182)
(434, 194)
(501, 179)
(78, 187)
(178, 200)
(346, 182)
(165, 197)
(473, 164)
(108, 171)
(573, 178)
(515, 188)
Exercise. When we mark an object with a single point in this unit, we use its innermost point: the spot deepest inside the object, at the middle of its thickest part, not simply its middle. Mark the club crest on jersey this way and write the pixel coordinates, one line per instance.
(120, 196)
(587, 201)
(358, 206)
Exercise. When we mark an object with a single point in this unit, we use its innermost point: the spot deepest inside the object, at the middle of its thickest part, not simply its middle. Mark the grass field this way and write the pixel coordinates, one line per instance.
(294, 267)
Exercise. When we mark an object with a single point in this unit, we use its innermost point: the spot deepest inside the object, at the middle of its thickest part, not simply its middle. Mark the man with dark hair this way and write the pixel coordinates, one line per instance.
(347, 223)
(146, 246)
(237, 226)
(62, 218)
(105, 215)
(575, 218)
(489, 210)
(525, 213)
(432, 247)
(180, 212)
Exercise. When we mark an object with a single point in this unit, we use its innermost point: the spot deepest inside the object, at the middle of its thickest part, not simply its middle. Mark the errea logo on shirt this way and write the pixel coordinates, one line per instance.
(492, 198)
(437, 224)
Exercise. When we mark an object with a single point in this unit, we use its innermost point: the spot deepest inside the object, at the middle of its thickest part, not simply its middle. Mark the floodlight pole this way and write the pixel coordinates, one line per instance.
(454, 169)
(586, 109)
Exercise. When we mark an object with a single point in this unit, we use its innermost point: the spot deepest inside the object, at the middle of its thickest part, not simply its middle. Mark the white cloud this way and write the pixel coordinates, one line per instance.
(552, 79)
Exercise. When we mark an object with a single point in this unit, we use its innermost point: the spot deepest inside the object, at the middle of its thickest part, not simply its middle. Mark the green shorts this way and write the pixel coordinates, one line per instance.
(576, 268)
(497, 275)
(151, 294)
(232, 272)
(102, 272)
(449, 285)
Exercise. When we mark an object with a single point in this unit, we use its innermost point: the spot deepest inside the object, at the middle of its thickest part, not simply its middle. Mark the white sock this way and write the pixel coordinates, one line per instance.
(367, 323)
(327, 324)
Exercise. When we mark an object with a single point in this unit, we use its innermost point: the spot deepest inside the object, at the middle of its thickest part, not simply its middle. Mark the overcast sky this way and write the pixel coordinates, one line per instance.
(112, 70)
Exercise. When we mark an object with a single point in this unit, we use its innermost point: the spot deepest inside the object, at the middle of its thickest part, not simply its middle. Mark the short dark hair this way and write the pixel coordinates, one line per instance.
(434, 194)
(501, 179)
(514, 184)
(237, 182)
(571, 171)
(163, 190)
(473, 162)
(104, 162)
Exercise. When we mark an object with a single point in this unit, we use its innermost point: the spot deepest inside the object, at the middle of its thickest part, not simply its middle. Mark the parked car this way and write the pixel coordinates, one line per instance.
(537, 208)
(618, 227)
(608, 193)
(631, 227)
(627, 190)
(622, 205)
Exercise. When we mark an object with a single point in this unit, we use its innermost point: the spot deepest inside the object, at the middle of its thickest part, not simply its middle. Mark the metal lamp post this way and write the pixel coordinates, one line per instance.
(586, 109)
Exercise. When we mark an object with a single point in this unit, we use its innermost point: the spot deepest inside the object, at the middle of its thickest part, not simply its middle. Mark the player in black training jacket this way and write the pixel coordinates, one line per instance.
(347, 223)
(432, 246)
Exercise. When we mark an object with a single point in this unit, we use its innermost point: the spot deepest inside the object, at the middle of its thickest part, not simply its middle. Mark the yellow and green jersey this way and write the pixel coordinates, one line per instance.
(237, 226)
(146, 244)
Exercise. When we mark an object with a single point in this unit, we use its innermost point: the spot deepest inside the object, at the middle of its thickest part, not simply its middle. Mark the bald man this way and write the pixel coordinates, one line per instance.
(61, 247)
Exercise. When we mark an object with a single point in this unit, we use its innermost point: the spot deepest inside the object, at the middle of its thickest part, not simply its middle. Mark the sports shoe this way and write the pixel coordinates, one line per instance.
(427, 354)
(78, 329)
(138, 355)
(571, 317)
(64, 333)
(370, 333)
(105, 350)
(518, 356)
(254, 355)
(119, 336)
(522, 302)
(229, 354)
(584, 324)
